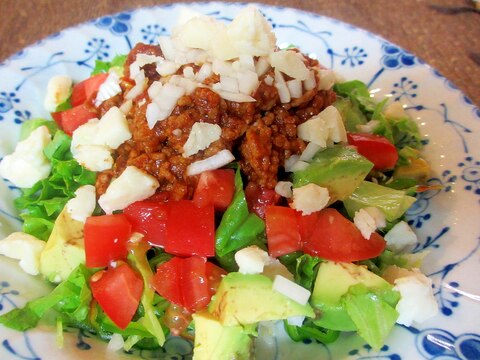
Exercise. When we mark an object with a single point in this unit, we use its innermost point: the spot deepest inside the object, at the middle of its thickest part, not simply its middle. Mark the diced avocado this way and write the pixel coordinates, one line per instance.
(393, 203)
(65, 248)
(215, 341)
(332, 282)
(340, 169)
(351, 114)
(243, 299)
(418, 169)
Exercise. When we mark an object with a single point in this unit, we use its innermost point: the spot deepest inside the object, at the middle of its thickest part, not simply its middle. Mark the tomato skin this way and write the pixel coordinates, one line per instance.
(283, 235)
(188, 282)
(106, 239)
(258, 198)
(82, 91)
(376, 148)
(118, 292)
(215, 187)
(167, 280)
(69, 120)
(336, 238)
(150, 219)
(190, 229)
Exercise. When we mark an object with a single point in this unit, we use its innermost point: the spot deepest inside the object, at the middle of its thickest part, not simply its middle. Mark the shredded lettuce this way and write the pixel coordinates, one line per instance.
(40, 205)
(238, 228)
(71, 299)
(29, 126)
(103, 66)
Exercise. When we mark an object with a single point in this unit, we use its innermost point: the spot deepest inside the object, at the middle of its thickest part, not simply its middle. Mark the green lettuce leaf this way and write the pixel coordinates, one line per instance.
(29, 126)
(104, 66)
(71, 299)
(40, 205)
(358, 93)
(393, 203)
(373, 314)
(238, 228)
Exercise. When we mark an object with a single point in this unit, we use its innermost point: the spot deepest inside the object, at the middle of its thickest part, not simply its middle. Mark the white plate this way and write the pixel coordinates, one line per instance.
(446, 220)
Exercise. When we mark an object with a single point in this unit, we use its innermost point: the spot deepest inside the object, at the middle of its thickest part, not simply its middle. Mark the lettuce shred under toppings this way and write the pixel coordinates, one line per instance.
(41, 204)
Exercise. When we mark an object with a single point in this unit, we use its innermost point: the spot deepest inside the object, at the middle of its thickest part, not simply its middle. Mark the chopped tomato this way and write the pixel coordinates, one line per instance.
(69, 120)
(190, 229)
(259, 197)
(188, 282)
(150, 219)
(283, 235)
(376, 148)
(336, 238)
(167, 280)
(118, 292)
(106, 239)
(82, 91)
(215, 187)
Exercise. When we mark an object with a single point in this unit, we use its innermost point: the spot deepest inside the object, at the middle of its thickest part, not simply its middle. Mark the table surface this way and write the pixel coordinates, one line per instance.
(444, 33)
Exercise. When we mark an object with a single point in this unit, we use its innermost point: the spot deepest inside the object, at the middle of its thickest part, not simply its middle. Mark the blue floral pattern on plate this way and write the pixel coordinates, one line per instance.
(445, 219)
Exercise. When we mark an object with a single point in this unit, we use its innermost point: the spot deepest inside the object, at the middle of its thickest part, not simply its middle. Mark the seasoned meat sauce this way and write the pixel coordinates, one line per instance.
(260, 134)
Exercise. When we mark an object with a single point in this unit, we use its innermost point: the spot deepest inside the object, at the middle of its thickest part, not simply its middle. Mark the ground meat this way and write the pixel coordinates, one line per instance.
(261, 134)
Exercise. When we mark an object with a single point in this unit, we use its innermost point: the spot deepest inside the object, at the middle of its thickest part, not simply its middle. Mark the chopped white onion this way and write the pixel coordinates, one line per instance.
(188, 72)
(246, 62)
(116, 342)
(126, 107)
(168, 49)
(310, 82)
(327, 79)
(140, 61)
(284, 188)
(204, 72)
(262, 66)
(310, 151)
(299, 166)
(237, 97)
(154, 89)
(165, 101)
(291, 289)
(247, 81)
(295, 88)
(166, 67)
(282, 88)
(268, 80)
(290, 162)
(140, 84)
(109, 88)
(221, 67)
(289, 63)
(229, 84)
(216, 161)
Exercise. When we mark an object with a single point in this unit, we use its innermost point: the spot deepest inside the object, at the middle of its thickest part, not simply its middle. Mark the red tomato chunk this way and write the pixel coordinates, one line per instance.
(106, 239)
(85, 89)
(187, 282)
(190, 229)
(376, 148)
(329, 235)
(283, 235)
(215, 187)
(69, 120)
(150, 219)
(118, 292)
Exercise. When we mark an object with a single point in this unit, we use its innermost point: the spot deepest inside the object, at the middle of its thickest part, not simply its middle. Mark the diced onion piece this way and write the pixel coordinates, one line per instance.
(290, 162)
(291, 290)
(310, 198)
(262, 66)
(165, 101)
(246, 62)
(116, 342)
(140, 84)
(140, 61)
(327, 79)
(282, 88)
(247, 81)
(154, 89)
(229, 83)
(289, 63)
(200, 138)
(295, 88)
(216, 161)
(284, 188)
(314, 130)
(237, 97)
(333, 119)
(299, 166)
(188, 72)
(58, 90)
(109, 88)
(166, 67)
(310, 82)
(187, 84)
(126, 106)
(221, 67)
(401, 237)
(168, 49)
(251, 260)
(204, 72)
(132, 185)
(310, 151)
(268, 80)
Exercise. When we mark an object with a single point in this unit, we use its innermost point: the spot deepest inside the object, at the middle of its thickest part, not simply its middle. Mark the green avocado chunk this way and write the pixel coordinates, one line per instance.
(339, 169)
(65, 248)
(243, 299)
(333, 281)
(215, 341)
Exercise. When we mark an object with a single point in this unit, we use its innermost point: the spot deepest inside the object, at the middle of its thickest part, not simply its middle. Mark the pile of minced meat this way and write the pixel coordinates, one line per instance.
(210, 94)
